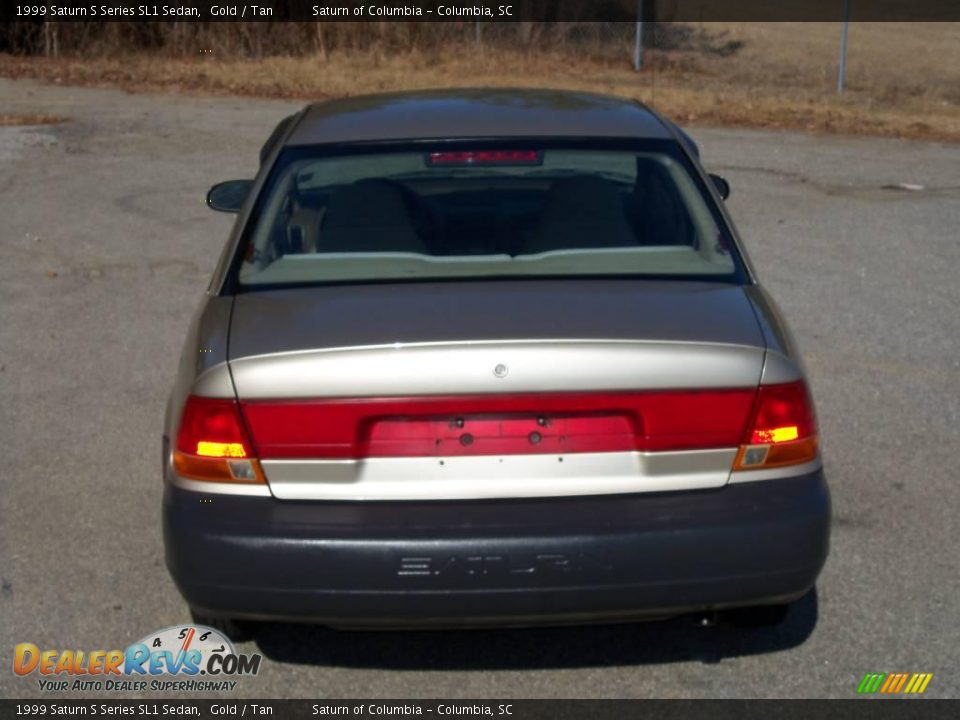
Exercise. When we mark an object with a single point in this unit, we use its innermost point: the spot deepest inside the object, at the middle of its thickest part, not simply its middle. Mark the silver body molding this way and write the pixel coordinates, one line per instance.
(468, 368)
(492, 477)
(215, 488)
(777, 473)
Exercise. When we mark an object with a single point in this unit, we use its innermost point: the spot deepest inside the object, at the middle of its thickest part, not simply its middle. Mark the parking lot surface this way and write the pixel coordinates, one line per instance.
(106, 245)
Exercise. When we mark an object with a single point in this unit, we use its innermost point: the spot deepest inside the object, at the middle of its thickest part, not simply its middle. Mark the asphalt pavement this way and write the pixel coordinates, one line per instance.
(106, 246)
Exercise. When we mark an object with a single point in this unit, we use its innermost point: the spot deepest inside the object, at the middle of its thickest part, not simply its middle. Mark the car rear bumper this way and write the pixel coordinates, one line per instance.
(500, 562)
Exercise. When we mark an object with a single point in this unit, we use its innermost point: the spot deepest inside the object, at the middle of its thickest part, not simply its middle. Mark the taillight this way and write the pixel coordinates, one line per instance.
(213, 445)
(782, 430)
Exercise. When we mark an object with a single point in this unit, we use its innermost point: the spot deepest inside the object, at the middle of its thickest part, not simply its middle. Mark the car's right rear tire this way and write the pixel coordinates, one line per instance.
(761, 616)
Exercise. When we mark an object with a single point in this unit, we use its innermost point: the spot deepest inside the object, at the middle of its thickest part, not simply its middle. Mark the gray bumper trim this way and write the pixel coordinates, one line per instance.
(504, 561)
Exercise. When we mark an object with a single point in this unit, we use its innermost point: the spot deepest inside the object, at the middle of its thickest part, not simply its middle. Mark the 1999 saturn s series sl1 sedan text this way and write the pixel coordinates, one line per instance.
(487, 356)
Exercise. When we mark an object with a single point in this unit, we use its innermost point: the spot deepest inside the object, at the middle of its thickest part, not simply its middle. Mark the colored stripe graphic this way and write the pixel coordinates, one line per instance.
(918, 683)
(894, 683)
(871, 682)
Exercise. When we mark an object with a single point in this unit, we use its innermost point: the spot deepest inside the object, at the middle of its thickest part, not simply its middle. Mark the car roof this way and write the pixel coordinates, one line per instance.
(466, 113)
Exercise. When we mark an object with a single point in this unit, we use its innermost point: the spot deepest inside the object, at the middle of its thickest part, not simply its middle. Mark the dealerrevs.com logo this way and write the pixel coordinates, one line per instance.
(184, 658)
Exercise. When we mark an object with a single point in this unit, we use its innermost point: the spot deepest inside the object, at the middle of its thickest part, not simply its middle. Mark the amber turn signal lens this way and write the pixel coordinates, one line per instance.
(762, 457)
(209, 469)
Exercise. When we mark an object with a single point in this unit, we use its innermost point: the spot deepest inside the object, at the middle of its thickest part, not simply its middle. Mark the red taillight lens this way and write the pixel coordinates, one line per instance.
(212, 427)
(212, 443)
(485, 157)
(783, 428)
(782, 413)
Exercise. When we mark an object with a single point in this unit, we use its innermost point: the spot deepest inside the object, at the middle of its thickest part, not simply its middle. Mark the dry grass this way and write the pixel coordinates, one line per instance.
(31, 119)
(903, 80)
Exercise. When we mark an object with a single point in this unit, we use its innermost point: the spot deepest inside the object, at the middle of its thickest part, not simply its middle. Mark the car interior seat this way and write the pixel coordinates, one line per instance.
(581, 212)
(369, 215)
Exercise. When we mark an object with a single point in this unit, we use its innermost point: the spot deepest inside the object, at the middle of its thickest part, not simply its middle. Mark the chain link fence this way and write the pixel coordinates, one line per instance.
(624, 41)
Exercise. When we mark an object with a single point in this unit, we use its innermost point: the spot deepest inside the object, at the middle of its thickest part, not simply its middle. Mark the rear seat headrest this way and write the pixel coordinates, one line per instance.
(582, 212)
(367, 216)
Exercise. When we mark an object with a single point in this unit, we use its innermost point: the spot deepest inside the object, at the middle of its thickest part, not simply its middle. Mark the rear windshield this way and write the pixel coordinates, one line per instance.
(441, 212)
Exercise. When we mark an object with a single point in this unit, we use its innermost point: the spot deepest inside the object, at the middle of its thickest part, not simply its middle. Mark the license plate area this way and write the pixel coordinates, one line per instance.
(497, 434)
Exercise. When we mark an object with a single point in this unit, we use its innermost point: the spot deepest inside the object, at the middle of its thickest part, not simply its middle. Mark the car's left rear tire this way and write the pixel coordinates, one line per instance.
(236, 630)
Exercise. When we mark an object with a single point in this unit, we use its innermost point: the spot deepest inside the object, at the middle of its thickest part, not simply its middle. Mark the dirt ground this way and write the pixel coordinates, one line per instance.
(903, 79)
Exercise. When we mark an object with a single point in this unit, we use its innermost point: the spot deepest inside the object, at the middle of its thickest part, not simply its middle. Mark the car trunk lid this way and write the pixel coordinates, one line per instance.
(492, 389)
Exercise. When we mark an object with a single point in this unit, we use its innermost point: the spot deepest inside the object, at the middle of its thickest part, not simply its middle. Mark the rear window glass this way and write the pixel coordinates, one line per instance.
(483, 212)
